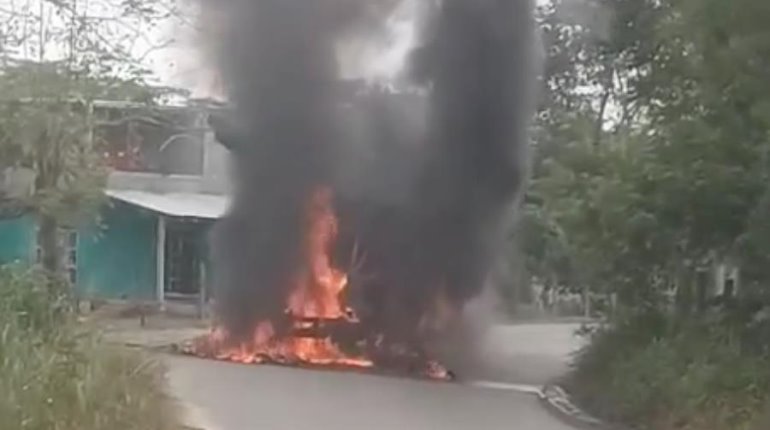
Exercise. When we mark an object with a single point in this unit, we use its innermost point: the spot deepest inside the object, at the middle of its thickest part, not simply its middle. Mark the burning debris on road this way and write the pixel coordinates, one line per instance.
(357, 237)
(316, 323)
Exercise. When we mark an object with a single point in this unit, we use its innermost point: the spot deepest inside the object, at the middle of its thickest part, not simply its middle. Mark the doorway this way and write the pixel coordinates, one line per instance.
(184, 260)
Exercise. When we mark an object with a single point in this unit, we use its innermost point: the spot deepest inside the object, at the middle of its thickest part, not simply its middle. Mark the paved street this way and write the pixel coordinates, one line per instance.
(225, 396)
(528, 353)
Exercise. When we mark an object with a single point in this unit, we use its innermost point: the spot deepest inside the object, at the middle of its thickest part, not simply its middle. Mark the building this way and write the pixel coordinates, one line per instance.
(169, 183)
(167, 186)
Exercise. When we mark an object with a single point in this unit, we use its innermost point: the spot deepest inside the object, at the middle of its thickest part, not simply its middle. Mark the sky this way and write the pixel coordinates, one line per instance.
(184, 65)
(170, 48)
(163, 45)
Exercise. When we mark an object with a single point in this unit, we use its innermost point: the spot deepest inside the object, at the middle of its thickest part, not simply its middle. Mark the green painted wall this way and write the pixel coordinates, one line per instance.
(17, 238)
(116, 259)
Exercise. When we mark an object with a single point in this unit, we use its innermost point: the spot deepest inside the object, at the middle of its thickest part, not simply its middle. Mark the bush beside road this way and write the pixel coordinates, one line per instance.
(57, 375)
(654, 371)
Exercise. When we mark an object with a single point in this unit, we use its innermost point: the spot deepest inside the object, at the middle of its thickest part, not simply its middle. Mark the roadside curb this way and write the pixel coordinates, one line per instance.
(559, 402)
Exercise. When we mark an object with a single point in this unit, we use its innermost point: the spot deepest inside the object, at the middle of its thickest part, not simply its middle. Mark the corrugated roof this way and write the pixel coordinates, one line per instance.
(196, 205)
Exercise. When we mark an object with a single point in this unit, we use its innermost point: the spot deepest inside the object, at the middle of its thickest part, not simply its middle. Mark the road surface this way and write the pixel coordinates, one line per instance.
(225, 396)
(529, 353)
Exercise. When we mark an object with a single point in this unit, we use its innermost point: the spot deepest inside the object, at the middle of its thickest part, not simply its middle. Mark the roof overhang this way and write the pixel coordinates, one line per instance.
(190, 205)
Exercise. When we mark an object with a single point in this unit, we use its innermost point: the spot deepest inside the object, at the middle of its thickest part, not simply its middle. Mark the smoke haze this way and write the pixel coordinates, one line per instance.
(424, 184)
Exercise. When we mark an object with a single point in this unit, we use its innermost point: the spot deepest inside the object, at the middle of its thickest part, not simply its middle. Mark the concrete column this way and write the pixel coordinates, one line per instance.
(160, 262)
(202, 291)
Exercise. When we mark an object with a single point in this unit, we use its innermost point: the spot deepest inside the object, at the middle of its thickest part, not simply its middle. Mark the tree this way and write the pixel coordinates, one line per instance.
(653, 144)
(587, 105)
(56, 58)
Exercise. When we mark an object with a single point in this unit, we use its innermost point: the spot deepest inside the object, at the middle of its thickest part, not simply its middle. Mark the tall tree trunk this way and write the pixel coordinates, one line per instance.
(603, 102)
(48, 173)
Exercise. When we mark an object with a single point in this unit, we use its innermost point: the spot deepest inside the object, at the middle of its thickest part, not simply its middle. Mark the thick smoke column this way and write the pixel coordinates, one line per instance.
(277, 61)
(461, 168)
(478, 62)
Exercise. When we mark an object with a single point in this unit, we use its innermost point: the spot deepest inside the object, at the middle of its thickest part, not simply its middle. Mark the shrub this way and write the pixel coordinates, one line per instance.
(654, 372)
(55, 375)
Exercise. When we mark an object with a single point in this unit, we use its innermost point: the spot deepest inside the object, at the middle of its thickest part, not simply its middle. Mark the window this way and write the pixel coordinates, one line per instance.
(71, 255)
(151, 141)
(68, 240)
(183, 260)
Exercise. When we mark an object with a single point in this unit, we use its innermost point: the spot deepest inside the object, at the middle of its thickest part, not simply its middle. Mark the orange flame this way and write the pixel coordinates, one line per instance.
(316, 294)
(317, 291)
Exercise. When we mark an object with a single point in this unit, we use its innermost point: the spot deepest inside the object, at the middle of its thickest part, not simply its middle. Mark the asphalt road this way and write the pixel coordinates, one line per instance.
(528, 353)
(225, 396)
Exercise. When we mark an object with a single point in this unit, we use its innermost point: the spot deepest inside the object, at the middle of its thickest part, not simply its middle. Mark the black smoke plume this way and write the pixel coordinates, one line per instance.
(424, 185)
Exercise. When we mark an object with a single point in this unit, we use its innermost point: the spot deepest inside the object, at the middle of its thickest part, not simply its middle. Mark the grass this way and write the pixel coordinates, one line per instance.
(55, 375)
(653, 372)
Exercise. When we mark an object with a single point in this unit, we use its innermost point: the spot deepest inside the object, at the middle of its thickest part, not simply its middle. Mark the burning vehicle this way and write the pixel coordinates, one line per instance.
(360, 231)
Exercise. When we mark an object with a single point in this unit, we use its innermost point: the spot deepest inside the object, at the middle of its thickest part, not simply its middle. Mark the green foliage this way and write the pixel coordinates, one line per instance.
(652, 147)
(55, 62)
(655, 372)
(651, 169)
(56, 376)
(45, 121)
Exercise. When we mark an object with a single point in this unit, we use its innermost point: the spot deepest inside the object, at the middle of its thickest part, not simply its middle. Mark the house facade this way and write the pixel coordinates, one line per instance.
(167, 186)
